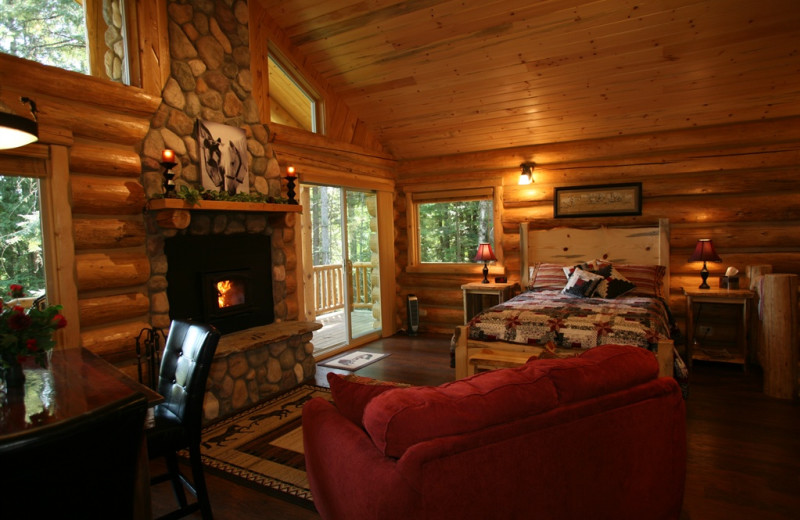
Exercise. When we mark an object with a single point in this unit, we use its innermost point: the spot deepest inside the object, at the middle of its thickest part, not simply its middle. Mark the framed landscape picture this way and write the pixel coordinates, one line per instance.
(598, 200)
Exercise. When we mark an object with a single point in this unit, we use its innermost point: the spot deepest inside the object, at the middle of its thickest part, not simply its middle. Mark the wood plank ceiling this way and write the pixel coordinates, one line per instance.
(440, 77)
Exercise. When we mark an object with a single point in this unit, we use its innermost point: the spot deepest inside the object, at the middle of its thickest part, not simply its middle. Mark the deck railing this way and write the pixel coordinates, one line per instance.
(328, 293)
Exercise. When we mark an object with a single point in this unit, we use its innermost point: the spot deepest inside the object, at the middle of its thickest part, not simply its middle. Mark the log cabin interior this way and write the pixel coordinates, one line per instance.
(698, 101)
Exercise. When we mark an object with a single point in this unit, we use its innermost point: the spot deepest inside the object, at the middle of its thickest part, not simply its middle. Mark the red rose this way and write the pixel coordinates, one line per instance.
(31, 345)
(19, 320)
(16, 290)
(59, 321)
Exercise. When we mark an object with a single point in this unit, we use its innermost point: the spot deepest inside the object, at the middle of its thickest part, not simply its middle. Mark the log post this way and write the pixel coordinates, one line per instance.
(779, 330)
(754, 275)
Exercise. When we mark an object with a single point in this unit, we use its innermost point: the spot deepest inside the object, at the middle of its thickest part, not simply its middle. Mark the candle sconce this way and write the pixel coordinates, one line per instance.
(168, 163)
(291, 177)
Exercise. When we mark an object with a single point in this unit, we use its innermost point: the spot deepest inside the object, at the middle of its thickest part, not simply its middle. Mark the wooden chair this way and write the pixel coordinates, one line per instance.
(187, 357)
(85, 467)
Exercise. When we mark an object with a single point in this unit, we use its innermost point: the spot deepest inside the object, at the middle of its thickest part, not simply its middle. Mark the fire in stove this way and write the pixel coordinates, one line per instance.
(230, 293)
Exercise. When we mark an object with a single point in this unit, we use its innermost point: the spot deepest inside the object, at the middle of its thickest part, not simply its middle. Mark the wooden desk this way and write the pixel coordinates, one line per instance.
(76, 382)
(740, 297)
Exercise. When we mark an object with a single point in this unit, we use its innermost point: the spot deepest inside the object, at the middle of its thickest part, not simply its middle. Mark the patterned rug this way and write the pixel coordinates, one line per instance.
(264, 444)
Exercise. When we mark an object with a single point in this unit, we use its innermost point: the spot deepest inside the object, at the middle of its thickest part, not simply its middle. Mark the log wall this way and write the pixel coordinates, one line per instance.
(737, 184)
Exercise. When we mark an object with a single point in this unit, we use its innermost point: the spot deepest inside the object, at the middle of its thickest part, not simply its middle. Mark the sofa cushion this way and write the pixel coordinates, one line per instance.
(399, 419)
(600, 370)
(351, 393)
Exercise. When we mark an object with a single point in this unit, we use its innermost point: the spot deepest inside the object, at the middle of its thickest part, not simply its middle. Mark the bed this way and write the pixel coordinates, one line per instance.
(543, 321)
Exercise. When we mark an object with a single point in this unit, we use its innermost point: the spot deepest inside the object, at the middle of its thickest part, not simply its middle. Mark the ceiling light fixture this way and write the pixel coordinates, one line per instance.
(16, 131)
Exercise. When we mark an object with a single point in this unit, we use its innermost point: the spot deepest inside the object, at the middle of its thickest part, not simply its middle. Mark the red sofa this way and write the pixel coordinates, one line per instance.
(598, 436)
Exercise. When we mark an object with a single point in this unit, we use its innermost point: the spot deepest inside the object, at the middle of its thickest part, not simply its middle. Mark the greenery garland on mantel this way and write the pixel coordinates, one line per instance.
(193, 196)
(173, 211)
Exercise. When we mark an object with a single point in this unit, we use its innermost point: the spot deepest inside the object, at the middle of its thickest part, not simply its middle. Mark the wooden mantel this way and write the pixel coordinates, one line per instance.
(175, 213)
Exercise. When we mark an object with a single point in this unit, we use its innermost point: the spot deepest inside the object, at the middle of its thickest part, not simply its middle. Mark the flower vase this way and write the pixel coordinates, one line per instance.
(13, 375)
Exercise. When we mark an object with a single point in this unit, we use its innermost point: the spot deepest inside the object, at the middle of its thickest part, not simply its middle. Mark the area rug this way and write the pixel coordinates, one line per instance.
(354, 360)
(263, 446)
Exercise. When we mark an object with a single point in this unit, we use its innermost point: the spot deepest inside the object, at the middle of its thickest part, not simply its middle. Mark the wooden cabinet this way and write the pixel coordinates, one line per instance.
(695, 299)
(479, 296)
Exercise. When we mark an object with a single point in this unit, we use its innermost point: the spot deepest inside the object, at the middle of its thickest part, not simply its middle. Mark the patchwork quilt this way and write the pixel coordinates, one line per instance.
(539, 318)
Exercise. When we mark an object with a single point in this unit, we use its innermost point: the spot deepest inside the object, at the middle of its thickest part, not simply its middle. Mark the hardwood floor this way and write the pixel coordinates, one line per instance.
(744, 448)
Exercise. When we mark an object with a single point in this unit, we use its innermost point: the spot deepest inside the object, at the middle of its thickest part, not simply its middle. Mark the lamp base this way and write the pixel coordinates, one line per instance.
(485, 273)
(704, 276)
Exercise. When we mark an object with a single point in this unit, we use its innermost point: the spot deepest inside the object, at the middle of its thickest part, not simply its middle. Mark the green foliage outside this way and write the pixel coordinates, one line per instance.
(52, 32)
(21, 255)
(449, 232)
(326, 216)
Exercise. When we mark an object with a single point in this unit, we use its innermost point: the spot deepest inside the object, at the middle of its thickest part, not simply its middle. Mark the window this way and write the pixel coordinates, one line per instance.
(87, 36)
(291, 101)
(21, 254)
(445, 228)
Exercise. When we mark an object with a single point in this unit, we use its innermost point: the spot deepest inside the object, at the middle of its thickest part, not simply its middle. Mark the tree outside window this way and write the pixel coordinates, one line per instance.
(21, 254)
(450, 231)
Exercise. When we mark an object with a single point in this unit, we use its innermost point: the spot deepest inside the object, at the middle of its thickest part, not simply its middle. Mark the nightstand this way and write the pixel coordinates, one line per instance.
(694, 300)
(479, 296)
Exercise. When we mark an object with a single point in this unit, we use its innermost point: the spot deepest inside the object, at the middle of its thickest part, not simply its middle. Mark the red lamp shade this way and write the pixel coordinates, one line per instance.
(704, 252)
(485, 254)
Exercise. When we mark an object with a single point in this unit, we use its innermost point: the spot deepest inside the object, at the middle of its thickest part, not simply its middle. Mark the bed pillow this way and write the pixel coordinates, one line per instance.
(648, 279)
(351, 393)
(582, 283)
(546, 276)
(613, 285)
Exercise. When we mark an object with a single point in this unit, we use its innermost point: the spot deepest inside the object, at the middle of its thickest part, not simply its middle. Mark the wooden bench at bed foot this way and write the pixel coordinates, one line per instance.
(487, 359)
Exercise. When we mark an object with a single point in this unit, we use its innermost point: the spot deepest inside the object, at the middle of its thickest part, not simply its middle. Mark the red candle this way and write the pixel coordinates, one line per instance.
(290, 171)
(168, 156)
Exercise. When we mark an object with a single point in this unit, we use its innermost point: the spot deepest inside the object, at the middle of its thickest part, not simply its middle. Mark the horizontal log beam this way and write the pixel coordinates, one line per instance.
(111, 270)
(108, 309)
(108, 233)
(106, 196)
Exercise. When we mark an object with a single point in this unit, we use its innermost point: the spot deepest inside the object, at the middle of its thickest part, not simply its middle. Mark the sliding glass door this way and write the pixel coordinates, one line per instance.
(340, 242)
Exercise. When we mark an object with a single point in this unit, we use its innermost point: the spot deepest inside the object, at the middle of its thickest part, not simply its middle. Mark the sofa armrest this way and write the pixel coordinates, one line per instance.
(349, 477)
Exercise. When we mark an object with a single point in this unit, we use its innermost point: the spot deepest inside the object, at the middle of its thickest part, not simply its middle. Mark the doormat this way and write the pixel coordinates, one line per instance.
(263, 446)
(354, 360)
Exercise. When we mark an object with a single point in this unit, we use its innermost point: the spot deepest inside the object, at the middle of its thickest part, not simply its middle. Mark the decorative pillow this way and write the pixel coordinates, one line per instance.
(582, 283)
(545, 276)
(648, 279)
(351, 393)
(600, 267)
(613, 285)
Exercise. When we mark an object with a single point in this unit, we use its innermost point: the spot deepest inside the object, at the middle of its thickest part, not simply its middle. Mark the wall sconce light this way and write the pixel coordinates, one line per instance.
(168, 163)
(291, 177)
(16, 131)
(526, 177)
(485, 254)
(704, 252)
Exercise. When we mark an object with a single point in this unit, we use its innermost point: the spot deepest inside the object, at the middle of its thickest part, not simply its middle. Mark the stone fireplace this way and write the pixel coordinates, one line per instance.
(262, 351)
(210, 80)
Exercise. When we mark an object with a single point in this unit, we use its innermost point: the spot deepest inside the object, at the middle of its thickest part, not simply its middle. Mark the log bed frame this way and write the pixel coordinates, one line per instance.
(623, 244)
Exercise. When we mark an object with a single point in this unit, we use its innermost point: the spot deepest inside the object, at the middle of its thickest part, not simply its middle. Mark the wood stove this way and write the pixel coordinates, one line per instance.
(223, 280)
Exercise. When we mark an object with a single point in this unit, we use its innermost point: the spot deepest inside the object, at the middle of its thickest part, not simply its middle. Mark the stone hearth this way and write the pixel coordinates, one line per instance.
(251, 365)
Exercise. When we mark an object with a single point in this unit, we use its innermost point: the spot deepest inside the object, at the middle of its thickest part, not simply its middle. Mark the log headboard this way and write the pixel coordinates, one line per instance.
(624, 244)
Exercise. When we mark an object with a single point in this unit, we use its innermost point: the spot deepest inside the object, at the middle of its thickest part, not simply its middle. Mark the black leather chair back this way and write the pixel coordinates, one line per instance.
(188, 353)
(84, 468)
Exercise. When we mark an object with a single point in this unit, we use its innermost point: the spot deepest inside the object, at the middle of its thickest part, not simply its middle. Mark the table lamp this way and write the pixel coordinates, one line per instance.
(704, 252)
(485, 255)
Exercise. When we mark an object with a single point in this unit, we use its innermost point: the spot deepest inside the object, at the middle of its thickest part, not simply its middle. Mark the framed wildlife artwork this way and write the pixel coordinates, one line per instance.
(223, 157)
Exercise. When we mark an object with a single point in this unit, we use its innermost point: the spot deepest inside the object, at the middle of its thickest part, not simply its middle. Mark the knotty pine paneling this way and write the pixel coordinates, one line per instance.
(737, 184)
